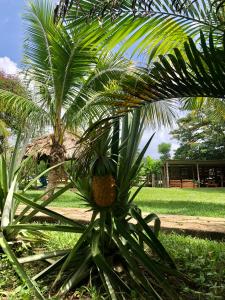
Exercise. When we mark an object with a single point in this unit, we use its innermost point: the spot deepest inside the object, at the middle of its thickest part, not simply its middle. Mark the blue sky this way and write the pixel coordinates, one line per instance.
(11, 33)
(11, 30)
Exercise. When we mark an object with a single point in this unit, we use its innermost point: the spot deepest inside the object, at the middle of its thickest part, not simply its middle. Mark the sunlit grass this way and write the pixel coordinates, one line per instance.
(208, 202)
(62, 240)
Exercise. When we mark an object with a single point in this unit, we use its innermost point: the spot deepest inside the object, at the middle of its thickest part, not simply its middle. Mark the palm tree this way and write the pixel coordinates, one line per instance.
(63, 72)
(71, 80)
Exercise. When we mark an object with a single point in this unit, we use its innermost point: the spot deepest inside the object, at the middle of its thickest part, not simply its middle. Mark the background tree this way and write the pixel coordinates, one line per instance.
(164, 151)
(10, 123)
(151, 168)
(201, 136)
(12, 83)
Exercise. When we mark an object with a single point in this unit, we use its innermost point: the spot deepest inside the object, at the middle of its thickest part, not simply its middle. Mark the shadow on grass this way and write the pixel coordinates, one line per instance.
(182, 208)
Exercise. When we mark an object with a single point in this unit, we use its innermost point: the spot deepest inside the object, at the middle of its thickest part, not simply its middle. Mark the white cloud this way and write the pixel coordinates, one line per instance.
(8, 66)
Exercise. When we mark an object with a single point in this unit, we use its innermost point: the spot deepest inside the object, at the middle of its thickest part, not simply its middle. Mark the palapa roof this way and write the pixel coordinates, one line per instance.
(40, 148)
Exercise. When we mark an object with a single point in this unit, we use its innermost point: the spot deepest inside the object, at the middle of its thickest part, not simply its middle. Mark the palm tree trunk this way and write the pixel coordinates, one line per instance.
(57, 156)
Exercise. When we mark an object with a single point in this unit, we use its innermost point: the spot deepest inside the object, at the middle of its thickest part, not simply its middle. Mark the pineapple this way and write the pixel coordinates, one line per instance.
(103, 182)
(104, 190)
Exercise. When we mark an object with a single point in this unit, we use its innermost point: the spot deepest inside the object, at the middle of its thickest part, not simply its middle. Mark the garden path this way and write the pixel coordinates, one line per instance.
(198, 226)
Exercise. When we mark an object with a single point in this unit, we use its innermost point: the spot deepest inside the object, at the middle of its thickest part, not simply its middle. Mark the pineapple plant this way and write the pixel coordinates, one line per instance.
(111, 254)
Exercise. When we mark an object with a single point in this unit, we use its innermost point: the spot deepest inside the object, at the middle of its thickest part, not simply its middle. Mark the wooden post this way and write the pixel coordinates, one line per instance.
(198, 175)
(153, 180)
(167, 175)
(163, 176)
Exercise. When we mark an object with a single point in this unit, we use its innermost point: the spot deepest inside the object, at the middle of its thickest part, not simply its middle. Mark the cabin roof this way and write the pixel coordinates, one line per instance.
(178, 162)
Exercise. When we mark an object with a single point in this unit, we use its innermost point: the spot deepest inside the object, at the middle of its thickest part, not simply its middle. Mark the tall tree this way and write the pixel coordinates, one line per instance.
(164, 151)
(64, 73)
(151, 168)
(71, 78)
(201, 136)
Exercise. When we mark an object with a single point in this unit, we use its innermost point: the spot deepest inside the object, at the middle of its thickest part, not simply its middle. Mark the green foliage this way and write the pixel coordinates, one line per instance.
(195, 72)
(167, 24)
(103, 235)
(164, 150)
(115, 152)
(12, 84)
(202, 260)
(152, 166)
(69, 63)
(64, 240)
(9, 283)
(73, 70)
(9, 123)
(201, 135)
(11, 227)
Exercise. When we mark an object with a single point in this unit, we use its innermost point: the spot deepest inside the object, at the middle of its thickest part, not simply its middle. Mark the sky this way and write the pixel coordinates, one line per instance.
(11, 46)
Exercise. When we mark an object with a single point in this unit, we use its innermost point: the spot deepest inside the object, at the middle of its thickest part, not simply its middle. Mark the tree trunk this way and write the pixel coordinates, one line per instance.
(57, 156)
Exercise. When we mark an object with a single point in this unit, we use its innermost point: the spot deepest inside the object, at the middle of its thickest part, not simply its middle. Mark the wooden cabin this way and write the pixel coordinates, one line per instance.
(194, 173)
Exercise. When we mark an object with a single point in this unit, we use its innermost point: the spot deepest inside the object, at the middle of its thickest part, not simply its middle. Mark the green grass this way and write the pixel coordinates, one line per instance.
(203, 261)
(209, 202)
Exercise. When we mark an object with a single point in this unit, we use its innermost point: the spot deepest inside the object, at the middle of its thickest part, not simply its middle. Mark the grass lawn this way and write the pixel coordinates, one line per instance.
(209, 202)
(203, 261)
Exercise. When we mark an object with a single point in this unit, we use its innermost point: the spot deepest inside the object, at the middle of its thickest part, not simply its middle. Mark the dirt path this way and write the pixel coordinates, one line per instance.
(199, 226)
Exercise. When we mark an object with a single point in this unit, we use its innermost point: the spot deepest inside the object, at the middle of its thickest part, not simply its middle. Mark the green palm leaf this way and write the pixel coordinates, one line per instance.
(199, 72)
(152, 26)
(21, 107)
(56, 59)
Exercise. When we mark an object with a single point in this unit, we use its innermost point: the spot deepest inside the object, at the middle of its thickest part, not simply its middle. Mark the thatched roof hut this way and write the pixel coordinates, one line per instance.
(40, 148)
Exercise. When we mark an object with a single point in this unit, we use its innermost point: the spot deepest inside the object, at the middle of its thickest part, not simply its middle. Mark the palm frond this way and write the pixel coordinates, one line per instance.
(201, 75)
(22, 108)
(91, 101)
(216, 107)
(148, 26)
